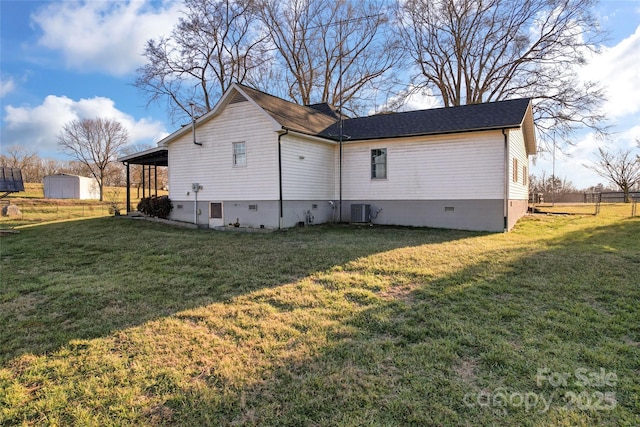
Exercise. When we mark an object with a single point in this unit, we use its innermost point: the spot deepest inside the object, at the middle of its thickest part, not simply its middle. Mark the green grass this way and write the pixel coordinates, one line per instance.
(113, 321)
(34, 209)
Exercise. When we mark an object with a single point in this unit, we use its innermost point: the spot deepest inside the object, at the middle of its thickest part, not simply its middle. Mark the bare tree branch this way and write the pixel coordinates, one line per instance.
(216, 43)
(335, 51)
(473, 51)
(96, 143)
(621, 167)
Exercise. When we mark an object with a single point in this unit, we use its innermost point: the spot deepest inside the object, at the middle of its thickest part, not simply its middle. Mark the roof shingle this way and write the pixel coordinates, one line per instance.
(494, 115)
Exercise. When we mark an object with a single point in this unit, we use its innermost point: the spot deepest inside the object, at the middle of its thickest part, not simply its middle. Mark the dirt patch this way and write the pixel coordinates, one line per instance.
(466, 370)
(402, 293)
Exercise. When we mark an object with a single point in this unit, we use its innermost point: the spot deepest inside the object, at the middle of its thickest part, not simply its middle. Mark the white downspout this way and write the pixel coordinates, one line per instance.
(506, 181)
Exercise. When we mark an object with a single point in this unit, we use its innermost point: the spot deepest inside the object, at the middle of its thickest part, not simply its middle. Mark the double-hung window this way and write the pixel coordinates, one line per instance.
(239, 154)
(379, 163)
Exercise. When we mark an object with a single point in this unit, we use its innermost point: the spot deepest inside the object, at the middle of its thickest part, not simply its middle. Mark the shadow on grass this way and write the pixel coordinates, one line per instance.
(86, 279)
(460, 349)
(328, 325)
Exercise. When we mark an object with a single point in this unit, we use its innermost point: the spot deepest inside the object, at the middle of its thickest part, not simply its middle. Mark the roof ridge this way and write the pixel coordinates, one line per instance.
(295, 104)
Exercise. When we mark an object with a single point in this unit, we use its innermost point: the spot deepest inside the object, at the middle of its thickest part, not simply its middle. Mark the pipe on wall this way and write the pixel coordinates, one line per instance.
(280, 197)
(506, 180)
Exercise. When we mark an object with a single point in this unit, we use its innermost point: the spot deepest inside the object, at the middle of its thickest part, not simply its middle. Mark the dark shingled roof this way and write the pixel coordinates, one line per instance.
(326, 108)
(493, 115)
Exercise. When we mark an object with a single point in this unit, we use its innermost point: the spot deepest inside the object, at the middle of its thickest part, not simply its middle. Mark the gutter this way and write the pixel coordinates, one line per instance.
(281, 209)
(506, 181)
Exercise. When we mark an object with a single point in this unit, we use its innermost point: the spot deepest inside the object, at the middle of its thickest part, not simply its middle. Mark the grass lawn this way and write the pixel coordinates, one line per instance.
(34, 209)
(112, 321)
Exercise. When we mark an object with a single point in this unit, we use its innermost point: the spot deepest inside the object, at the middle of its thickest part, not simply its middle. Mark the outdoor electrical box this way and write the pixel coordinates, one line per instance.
(196, 187)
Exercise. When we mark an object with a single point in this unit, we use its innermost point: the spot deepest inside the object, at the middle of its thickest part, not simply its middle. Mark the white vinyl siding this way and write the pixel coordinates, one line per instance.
(518, 188)
(308, 171)
(211, 166)
(458, 166)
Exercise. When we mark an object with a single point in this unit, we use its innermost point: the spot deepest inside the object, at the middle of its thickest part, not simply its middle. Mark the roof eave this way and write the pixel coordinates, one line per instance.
(347, 138)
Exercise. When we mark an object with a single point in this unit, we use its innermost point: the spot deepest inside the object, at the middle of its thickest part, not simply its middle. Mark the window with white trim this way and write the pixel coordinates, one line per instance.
(239, 154)
(379, 163)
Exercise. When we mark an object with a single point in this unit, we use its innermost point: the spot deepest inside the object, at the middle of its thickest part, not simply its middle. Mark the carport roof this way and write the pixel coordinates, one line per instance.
(158, 156)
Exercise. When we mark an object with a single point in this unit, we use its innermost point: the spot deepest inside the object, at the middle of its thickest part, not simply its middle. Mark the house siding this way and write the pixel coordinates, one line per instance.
(211, 164)
(465, 166)
(519, 188)
(308, 168)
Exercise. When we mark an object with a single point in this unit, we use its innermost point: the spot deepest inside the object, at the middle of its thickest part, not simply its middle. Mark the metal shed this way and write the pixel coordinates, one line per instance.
(66, 186)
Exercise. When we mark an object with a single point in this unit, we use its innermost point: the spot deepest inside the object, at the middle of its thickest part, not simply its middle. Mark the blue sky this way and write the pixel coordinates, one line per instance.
(66, 60)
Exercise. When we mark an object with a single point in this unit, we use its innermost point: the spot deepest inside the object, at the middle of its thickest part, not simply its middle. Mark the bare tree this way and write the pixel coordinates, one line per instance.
(216, 43)
(96, 143)
(620, 167)
(473, 51)
(333, 51)
(550, 184)
(23, 158)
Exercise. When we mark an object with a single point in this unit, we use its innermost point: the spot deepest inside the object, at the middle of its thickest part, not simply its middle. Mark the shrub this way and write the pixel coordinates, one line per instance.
(156, 206)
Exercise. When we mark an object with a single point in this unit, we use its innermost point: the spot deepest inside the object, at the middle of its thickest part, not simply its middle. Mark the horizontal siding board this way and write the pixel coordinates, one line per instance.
(518, 190)
(462, 166)
(308, 171)
(211, 164)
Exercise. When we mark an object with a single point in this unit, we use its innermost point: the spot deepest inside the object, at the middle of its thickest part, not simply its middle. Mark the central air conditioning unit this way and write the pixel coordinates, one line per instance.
(360, 213)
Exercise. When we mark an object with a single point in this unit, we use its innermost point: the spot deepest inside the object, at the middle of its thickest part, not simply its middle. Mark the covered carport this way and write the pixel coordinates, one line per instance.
(150, 160)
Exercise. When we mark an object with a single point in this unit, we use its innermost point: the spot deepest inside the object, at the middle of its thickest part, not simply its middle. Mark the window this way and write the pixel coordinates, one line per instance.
(216, 210)
(239, 154)
(379, 163)
(515, 170)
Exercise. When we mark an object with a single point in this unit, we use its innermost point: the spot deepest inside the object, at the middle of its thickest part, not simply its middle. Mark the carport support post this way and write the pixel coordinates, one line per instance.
(128, 190)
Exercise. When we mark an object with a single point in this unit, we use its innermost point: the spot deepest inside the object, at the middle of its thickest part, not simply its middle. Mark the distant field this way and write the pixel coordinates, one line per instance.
(35, 209)
(113, 321)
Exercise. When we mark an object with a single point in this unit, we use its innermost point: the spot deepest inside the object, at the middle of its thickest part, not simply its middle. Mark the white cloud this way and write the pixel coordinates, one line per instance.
(617, 68)
(7, 85)
(38, 127)
(105, 36)
(410, 99)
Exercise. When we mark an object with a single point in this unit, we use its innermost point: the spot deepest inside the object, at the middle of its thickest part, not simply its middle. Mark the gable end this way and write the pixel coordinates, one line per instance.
(237, 98)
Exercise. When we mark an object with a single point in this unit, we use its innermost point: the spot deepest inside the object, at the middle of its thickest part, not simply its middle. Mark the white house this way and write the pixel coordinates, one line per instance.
(261, 161)
(66, 186)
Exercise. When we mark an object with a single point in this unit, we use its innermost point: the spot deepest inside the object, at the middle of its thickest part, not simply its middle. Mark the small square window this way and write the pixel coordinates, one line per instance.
(379, 163)
(239, 154)
(215, 210)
